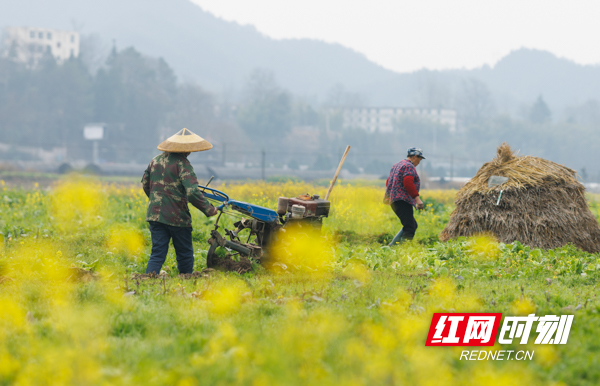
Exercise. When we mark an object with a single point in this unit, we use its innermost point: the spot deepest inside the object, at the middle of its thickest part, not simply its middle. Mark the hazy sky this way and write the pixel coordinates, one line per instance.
(407, 35)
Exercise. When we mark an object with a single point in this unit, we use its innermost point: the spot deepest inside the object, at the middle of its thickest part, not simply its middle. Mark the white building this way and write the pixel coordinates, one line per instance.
(382, 119)
(28, 45)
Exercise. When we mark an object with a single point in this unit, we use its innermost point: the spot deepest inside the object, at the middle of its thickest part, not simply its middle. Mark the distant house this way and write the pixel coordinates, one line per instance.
(28, 45)
(382, 119)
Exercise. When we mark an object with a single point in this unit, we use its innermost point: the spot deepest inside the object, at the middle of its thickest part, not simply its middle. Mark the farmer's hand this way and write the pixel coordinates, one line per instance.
(420, 204)
(214, 211)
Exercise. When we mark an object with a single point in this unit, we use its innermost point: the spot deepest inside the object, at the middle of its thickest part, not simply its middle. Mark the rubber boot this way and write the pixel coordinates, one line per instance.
(397, 239)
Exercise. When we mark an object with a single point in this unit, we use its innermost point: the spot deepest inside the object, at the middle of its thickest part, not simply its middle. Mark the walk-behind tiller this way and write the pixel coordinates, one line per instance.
(258, 227)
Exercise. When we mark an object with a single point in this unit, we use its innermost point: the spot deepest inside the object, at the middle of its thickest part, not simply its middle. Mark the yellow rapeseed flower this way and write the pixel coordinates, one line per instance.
(443, 290)
(357, 270)
(13, 314)
(485, 246)
(546, 355)
(125, 240)
(225, 297)
(76, 204)
(523, 306)
(301, 247)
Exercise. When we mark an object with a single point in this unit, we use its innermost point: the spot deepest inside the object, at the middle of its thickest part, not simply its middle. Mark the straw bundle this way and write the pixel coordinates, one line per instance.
(542, 205)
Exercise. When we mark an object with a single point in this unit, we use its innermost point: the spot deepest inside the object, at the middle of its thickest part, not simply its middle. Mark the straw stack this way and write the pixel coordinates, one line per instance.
(542, 205)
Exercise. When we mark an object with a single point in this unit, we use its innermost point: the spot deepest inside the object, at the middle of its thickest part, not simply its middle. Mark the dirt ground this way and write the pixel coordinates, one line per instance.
(228, 264)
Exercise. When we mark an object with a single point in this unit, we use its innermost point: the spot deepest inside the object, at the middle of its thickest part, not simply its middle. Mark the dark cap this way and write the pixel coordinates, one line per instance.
(415, 151)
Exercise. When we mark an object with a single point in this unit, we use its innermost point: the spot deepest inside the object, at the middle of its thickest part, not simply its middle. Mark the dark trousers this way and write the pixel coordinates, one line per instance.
(405, 213)
(182, 241)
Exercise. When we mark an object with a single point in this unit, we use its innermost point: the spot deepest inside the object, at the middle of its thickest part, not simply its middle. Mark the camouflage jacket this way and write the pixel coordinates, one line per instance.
(170, 183)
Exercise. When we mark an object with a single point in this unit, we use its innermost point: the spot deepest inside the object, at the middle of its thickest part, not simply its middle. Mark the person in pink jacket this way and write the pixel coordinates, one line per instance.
(402, 193)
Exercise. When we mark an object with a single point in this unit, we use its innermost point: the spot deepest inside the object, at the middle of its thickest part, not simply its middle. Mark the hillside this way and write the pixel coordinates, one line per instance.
(215, 53)
(517, 79)
(219, 55)
(526, 73)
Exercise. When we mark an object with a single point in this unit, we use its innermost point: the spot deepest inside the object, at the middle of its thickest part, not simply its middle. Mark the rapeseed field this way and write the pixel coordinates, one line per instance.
(343, 308)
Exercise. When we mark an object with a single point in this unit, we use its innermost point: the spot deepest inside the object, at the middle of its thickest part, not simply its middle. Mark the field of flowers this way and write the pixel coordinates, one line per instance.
(74, 309)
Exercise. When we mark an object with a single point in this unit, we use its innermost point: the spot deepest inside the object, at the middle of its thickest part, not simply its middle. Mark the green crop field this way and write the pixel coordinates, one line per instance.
(74, 308)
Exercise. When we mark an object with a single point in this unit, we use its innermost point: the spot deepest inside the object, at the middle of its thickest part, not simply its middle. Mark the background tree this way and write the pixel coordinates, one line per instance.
(303, 114)
(338, 97)
(45, 106)
(587, 113)
(475, 103)
(193, 108)
(265, 112)
(133, 95)
(93, 52)
(540, 112)
(433, 92)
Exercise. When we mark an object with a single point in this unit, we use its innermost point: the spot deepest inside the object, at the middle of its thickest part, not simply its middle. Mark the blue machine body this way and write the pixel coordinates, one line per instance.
(258, 212)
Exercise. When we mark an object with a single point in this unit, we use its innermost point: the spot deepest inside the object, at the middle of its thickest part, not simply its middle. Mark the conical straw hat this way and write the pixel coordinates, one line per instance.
(184, 142)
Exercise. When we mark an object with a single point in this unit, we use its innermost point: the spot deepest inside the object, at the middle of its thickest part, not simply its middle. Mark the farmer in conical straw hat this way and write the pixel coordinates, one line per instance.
(170, 183)
(402, 193)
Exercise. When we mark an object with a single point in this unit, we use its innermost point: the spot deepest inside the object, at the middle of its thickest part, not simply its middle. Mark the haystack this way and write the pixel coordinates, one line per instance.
(542, 205)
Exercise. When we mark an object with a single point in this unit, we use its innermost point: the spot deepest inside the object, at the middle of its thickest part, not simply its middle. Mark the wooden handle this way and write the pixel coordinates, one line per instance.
(337, 172)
